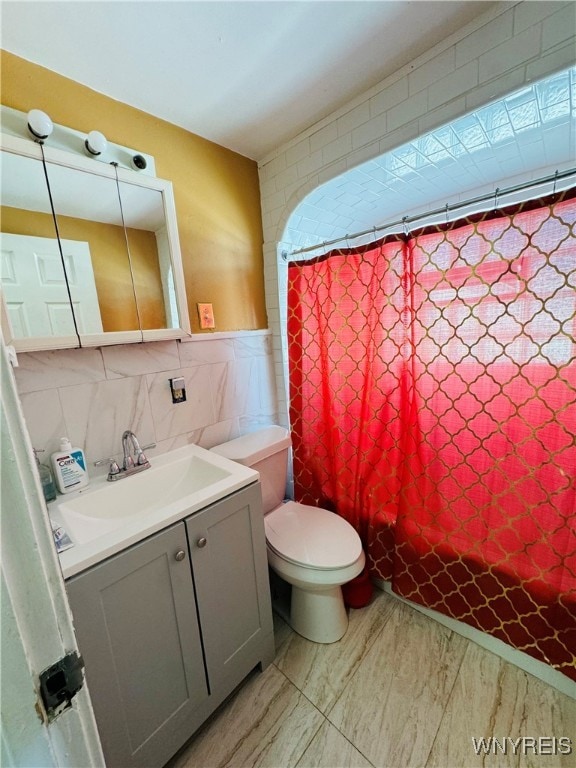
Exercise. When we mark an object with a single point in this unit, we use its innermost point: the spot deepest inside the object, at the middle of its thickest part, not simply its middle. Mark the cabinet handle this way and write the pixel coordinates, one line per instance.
(180, 555)
(201, 542)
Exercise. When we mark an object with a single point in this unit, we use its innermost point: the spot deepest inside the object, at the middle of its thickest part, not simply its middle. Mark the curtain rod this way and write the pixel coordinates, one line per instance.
(454, 207)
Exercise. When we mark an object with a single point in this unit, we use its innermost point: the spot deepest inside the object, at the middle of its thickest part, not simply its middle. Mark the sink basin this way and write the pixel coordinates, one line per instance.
(106, 517)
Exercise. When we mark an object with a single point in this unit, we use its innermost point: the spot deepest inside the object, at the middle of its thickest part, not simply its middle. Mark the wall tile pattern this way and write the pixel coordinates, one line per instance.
(93, 395)
(508, 47)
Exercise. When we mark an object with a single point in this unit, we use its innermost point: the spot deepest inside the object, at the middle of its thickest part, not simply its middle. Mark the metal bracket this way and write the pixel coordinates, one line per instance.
(60, 682)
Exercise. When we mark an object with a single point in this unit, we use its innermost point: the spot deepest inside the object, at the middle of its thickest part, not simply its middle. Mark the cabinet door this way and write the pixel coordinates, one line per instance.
(228, 550)
(137, 629)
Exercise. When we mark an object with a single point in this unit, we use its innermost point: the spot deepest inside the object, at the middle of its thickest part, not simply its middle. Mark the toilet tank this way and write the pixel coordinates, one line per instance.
(266, 451)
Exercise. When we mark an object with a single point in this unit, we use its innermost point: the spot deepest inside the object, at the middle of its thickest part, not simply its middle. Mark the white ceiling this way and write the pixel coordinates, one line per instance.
(246, 75)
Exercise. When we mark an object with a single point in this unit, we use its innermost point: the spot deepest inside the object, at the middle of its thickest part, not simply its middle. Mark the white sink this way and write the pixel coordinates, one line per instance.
(106, 517)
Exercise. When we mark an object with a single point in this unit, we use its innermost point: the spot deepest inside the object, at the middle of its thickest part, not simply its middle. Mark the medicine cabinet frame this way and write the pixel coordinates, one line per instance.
(57, 157)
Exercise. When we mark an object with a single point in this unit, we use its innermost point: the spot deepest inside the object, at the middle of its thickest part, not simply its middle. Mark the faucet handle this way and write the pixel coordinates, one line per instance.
(114, 469)
(141, 456)
(128, 462)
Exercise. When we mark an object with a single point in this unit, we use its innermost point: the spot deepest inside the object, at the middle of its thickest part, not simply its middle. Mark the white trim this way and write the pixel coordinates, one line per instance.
(532, 666)
(218, 335)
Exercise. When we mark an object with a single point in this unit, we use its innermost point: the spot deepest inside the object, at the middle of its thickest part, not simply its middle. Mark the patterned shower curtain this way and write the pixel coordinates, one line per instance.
(433, 405)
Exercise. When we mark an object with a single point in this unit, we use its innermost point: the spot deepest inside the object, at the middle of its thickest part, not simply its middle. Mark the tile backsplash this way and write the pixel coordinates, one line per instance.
(93, 395)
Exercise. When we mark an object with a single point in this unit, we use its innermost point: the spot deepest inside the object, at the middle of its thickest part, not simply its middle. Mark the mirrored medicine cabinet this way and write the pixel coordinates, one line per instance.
(104, 269)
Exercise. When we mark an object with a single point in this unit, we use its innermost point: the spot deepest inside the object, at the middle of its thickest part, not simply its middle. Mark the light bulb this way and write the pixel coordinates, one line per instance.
(96, 143)
(39, 124)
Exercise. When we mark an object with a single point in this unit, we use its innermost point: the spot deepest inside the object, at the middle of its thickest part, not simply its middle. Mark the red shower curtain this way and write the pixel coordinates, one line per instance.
(433, 405)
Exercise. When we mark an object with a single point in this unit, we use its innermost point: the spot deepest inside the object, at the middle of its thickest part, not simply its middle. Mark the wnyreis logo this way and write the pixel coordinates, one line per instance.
(523, 745)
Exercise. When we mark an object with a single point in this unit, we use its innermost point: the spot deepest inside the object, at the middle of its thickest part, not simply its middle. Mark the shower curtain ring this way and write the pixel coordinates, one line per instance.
(447, 209)
(405, 225)
(496, 191)
(555, 180)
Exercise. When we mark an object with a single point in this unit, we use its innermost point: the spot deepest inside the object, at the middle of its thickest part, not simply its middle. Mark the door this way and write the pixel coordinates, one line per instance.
(137, 629)
(35, 289)
(36, 623)
(228, 551)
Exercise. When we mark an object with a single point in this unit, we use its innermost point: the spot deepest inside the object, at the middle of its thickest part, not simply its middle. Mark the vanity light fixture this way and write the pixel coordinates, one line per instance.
(39, 124)
(139, 162)
(95, 143)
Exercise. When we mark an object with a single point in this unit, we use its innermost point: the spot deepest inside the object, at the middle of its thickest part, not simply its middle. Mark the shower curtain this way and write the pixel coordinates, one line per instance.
(433, 405)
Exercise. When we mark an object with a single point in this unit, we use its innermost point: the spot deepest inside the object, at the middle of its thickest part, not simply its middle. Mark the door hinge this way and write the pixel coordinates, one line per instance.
(60, 682)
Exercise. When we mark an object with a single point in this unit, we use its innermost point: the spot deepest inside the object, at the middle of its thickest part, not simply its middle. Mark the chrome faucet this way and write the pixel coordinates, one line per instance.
(134, 458)
(138, 458)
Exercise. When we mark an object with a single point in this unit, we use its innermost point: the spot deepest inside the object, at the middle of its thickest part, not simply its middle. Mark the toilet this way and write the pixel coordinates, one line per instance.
(314, 550)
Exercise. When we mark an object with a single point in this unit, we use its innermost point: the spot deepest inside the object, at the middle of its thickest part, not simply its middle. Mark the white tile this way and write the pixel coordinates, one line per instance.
(267, 722)
(310, 164)
(329, 749)
(234, 388)
(559, 27)
(205, 352)
(298, 152)
(531, 14)
(408, 110)
(321, 671)
(464, 79)
(256, 345)
(97, 415)
(431, 71)
(137, 359)
(352, 119)
(205, 437)
(171, 419)
(45, 421)
(58, 368)
(411, 667)
(372, 130)
(509, 55)
(478, 42)
(324, 136)
(389, 97)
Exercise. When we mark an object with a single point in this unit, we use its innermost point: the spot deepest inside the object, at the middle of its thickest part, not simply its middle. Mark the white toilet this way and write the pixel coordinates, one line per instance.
(314, 550)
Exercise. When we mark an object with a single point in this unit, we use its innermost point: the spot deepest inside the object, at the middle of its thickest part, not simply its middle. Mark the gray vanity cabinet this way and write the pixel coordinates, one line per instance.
(228, 551)
(170, 626)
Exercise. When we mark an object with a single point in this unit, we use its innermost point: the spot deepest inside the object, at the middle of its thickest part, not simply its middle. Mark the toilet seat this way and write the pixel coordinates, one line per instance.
(311, 537)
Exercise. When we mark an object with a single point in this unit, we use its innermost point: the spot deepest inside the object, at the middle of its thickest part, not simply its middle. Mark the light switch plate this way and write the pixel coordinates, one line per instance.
(206, 315)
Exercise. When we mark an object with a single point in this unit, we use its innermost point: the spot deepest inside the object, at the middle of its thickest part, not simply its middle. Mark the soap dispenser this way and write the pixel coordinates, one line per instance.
(69, 465)
(46, 478)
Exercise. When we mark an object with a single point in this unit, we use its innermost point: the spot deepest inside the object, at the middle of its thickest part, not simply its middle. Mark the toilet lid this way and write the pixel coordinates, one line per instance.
(312, 537)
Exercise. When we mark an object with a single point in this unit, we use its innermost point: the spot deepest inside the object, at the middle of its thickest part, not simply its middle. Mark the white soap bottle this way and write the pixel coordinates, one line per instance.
(69, 465)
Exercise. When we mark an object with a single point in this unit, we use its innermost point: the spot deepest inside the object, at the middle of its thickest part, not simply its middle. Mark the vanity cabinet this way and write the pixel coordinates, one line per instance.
(169, 627)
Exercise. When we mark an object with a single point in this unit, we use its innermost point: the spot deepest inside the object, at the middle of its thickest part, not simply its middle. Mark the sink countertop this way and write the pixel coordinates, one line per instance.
(109, 530)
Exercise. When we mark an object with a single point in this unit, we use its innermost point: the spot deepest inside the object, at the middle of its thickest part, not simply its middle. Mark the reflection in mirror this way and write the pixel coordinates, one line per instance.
(32, 276)
(89, 215)
(145, 221)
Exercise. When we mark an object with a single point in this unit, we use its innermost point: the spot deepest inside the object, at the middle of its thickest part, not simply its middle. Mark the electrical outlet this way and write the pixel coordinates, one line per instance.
(206, 315)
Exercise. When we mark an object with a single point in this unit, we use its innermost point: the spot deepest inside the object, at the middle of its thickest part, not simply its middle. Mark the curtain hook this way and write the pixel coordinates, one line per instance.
(555, 180)
(496, 191)
(447, 209)
(405, 225)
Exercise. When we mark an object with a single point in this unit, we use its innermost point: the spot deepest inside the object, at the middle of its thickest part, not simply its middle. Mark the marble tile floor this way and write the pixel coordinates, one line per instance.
(398, 691)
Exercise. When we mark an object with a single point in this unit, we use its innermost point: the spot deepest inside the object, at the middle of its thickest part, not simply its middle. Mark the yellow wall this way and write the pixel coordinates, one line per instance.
(110, 263)
(216, 191)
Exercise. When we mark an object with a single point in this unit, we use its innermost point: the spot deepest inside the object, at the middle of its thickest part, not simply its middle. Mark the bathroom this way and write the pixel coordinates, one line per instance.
(111, 388)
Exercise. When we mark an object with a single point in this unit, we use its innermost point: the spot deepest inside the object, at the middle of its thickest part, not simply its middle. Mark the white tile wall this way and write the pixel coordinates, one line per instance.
(93, 395)
(511, 45)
